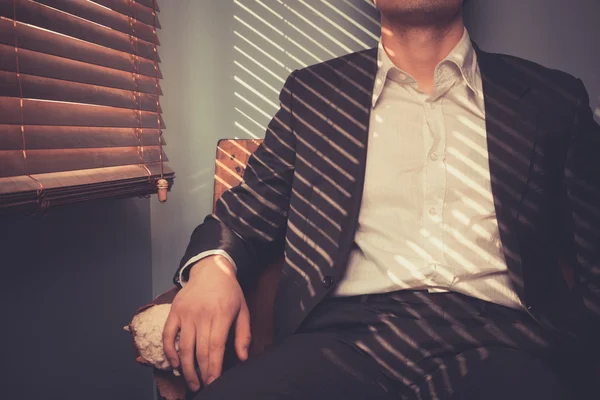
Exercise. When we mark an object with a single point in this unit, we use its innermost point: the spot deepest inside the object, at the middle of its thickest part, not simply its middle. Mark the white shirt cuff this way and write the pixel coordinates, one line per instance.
(202, 255)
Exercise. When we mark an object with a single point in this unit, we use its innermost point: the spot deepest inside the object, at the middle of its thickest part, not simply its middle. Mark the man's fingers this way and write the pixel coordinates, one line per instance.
(243, 334)
(216, 347)
(169, 334)
(187, 339)
(202, 337)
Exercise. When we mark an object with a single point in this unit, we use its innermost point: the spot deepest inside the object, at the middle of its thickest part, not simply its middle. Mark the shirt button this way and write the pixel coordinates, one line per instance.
(327, 281)
(431, 106)
(433, 157)
(432, 211)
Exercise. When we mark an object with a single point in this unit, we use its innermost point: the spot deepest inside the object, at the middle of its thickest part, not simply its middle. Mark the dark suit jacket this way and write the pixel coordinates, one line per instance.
(302, 189)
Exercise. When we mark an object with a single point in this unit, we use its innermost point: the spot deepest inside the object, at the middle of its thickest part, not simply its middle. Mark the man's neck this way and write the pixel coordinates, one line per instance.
(418, 49)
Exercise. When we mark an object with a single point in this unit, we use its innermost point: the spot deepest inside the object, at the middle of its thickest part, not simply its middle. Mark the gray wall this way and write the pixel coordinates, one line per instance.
(224, 63)
(558, 34)
(70, 281)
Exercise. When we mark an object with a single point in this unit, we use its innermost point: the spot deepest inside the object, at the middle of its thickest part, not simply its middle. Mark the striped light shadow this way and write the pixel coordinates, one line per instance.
(255, 122)
(470, 245)
(291, 39)
(256, 77)
(413, 343)
(279, 37)
(467, 199)
(312, 244)
(591, 306)
(263, 36)
(336, 26)
(353, 22)
(314, 226)
(457, 256)
(323, 32)
(391, 371)
(234, 174)
(222, 182)
(244, 129)
(295, 249)
(392, 350)
(320, 212)
(243, 221)
(263, 52)
(396, 280)
(456, 325)
(531, 335)
(467, 222)
(305, 50)
(484, 192)
(252, 105)
(414, 271)
(483, 152)
(256, 92)
(311, 39)
(231, 157)
(325, 176)
(259, 64)
(424, 326)
(360, 9)
(270, 41)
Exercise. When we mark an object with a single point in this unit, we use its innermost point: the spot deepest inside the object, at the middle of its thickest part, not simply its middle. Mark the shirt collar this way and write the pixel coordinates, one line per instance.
(463, 56)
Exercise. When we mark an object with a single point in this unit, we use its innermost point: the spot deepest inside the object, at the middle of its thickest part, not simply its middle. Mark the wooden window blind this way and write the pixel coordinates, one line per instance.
(80, 114)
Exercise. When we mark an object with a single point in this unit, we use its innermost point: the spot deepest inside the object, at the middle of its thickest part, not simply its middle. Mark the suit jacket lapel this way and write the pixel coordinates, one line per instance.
(351, 110)
(511, 137)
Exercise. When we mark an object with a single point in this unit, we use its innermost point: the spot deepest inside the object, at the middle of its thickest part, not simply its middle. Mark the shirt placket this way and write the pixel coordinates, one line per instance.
(435, 189)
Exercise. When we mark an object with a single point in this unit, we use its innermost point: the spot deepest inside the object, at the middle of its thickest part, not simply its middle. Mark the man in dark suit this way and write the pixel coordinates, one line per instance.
(428, 196)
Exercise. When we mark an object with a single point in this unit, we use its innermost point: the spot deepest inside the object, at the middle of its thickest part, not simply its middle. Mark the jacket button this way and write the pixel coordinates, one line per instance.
(327, 281)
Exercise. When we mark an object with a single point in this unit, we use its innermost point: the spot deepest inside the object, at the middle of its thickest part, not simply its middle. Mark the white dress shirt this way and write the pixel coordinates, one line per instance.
(427, 218)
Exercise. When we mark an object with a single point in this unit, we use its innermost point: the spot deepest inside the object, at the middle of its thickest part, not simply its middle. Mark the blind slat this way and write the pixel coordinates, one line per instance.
(15, 185)
(100, 15)
(35, 87)
(43, 41)
(20, 193)
(49, 66)
(68, 137)
(149, 4)
(33, 13)
(12, 163)
(100, 177)
(136, 10)
(10, 137)
(44, 161)
(38, 112)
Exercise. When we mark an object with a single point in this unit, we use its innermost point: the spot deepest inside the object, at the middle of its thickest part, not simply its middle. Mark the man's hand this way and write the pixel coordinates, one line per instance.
(202, 313)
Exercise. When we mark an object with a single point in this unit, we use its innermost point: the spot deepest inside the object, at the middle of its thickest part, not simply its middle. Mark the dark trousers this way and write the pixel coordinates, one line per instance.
(401, 345)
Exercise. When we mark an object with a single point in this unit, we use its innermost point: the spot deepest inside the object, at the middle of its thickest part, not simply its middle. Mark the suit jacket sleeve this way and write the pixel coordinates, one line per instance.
(249, 221)
(581, 216)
